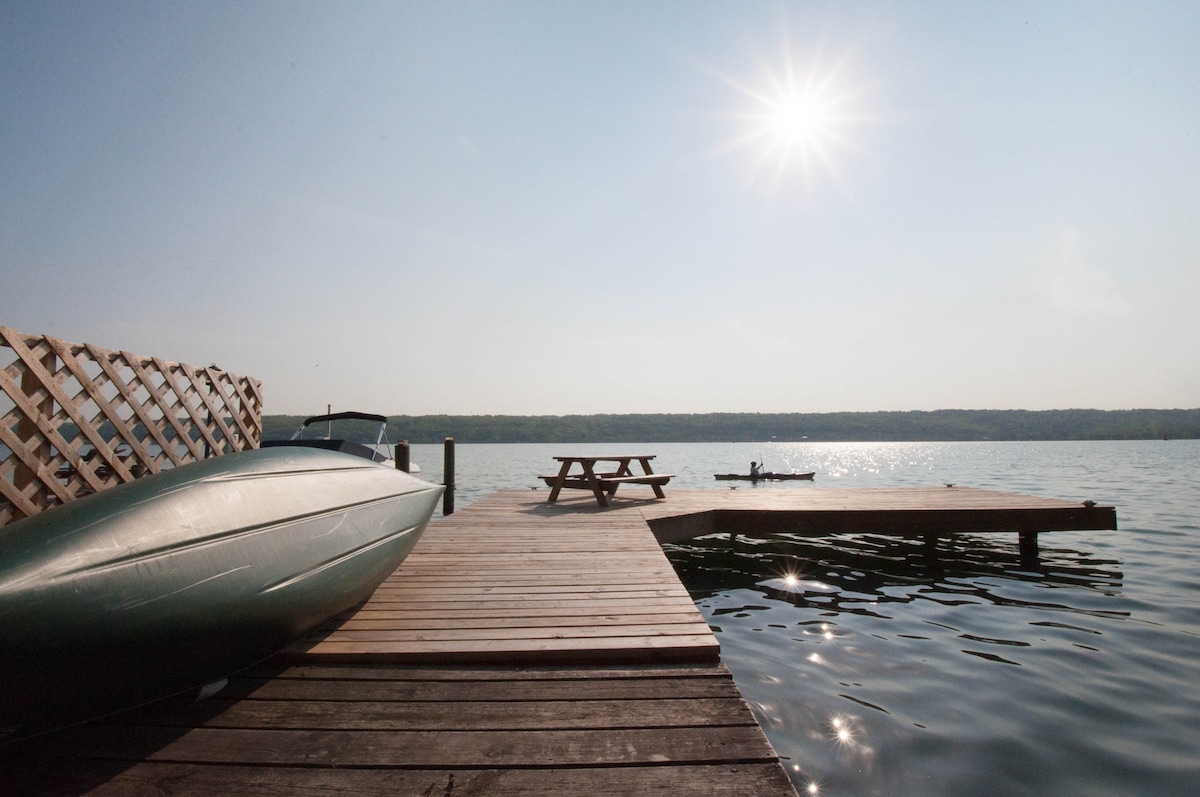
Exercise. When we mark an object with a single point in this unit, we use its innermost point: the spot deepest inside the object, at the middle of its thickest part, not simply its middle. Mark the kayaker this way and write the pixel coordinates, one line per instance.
(755, 471)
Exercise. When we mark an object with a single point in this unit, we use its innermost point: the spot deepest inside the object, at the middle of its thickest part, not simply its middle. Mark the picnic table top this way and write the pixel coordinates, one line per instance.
(604, 458)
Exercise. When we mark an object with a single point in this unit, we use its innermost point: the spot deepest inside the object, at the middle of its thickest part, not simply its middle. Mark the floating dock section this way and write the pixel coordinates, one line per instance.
(523, 647)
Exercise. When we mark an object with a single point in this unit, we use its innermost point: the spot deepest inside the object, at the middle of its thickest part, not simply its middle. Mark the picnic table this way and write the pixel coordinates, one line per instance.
(605, 483)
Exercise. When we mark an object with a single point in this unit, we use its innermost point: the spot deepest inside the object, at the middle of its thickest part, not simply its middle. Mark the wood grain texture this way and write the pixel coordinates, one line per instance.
(323, 729)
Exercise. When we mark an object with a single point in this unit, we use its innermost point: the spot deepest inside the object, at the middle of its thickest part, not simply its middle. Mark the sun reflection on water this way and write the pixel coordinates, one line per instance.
(842, 733)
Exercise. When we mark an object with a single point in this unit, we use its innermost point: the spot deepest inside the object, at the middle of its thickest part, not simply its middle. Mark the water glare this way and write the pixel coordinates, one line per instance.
(842, 733)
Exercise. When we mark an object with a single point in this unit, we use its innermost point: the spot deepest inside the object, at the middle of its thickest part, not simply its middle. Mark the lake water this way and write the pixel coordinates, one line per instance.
(878, 669)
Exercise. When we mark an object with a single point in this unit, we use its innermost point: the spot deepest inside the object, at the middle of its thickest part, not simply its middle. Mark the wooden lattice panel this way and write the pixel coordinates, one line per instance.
(76, 418)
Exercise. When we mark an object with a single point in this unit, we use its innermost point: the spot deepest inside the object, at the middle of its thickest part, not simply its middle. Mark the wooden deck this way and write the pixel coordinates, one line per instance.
(511, 579)
(899, 511)
(381, 729)
(523, 647)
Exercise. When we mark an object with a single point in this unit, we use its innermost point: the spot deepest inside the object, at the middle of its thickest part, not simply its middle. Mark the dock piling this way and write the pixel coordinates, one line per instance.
(1027, 547)
(402, 456)
(448, 477)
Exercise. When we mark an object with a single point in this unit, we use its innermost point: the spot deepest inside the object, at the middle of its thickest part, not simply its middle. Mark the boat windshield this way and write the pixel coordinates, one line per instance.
(367, 431)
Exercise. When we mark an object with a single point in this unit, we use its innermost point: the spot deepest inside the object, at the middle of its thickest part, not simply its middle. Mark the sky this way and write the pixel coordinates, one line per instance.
(549, 208)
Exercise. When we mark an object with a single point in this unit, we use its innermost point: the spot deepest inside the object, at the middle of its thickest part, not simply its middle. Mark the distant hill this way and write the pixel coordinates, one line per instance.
(938, 425)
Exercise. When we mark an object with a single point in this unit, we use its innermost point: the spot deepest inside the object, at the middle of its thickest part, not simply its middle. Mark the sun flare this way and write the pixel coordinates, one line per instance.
(797, 116)
(800, 125)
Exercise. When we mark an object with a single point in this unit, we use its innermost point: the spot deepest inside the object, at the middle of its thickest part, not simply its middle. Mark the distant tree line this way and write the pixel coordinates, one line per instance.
(939, 425)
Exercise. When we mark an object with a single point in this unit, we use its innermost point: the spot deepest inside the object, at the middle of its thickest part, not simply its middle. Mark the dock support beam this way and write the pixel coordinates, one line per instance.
(448, 478)
(1027, 546)
(402, 456)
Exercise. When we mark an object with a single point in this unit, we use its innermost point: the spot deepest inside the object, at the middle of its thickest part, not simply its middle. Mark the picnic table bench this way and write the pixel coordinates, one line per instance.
(604, 485)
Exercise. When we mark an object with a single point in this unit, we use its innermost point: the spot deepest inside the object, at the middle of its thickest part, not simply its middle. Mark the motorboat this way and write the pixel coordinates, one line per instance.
(181, 578)
(352, 438)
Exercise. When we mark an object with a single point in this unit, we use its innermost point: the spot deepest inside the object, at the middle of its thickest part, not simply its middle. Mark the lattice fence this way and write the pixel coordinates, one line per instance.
(76, 418)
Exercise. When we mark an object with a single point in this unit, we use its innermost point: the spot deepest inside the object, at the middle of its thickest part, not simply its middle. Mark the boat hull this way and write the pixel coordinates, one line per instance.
(181, 578)
(765, 477)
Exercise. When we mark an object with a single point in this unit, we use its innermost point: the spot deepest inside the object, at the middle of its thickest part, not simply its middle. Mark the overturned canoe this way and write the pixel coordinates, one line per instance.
(765, 477)
(180, 578)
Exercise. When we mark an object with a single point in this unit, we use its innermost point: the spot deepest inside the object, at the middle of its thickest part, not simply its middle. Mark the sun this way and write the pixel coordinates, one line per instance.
(799, 120)
(796, 116)
(797, 124)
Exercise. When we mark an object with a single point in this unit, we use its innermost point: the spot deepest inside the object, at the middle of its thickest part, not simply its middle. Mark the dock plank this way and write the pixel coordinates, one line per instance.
(392, 622)
(195, 780)
(355, 748)
(490, 716)
(564, 650)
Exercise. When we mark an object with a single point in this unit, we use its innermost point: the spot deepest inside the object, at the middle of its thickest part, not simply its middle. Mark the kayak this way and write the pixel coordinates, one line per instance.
(765, 477)
(181, 578)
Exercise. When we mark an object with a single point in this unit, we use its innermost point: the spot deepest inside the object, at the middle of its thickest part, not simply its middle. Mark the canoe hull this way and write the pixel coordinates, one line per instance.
(181, 578)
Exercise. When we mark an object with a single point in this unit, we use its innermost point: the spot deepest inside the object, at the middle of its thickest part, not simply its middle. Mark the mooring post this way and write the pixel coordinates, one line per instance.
(402, 456)
(1027, 548)
(930, 550)
(448, 478)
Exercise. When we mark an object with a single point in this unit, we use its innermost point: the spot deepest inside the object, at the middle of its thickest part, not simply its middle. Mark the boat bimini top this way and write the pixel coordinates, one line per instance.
(379, 452)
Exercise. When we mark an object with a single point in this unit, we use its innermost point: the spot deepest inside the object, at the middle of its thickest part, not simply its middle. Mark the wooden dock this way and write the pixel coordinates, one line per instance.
(523, 647)
(512, 579)
(922, 512)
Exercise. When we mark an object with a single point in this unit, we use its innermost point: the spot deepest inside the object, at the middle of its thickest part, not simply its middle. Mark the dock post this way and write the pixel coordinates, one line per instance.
(448, 478)
(402, 456)
(1027, 548)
